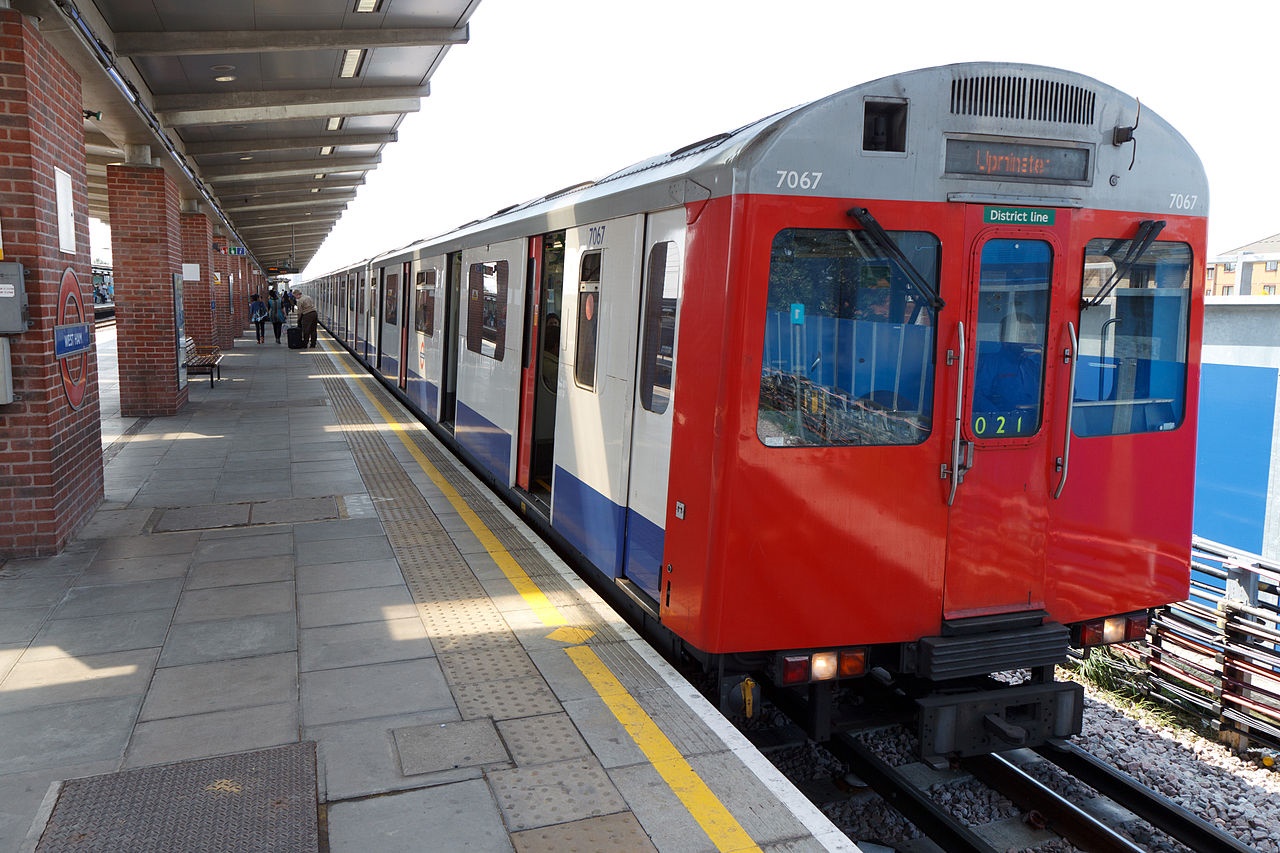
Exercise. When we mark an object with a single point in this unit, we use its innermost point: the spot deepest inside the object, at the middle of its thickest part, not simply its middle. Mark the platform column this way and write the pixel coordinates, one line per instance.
(51, 432)
(146, 248)
(197, 258)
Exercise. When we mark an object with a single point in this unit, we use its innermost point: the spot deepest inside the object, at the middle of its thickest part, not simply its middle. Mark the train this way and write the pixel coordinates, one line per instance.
(892, 393)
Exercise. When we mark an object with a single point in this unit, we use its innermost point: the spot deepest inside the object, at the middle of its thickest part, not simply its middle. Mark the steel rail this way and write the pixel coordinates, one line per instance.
(1151, 806)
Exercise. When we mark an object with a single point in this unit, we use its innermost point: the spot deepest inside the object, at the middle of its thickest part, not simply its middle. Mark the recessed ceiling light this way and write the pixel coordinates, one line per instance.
(351, 62)
(326, 150)
(225, 78)
(246, 156)
(335, 123)
(319, 176)
(367, 5)
(221, 68)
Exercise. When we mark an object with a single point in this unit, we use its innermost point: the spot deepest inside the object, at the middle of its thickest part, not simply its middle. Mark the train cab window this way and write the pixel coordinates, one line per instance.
(424, 309)
(1131, 375)
(1013, 326)
(659, 335)
(584, 368)
(487, 308)
(848, 350)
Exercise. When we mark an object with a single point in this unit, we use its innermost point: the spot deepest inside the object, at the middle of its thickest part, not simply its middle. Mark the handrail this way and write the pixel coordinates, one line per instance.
(955, 471)
(1064, 461)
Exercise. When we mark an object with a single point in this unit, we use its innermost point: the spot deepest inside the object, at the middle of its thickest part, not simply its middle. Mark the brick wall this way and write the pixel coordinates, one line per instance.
(198, 296)
(51, 437)
(146, 250)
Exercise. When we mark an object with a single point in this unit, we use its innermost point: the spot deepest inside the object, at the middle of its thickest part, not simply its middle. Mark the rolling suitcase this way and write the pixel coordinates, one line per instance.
(295, 337)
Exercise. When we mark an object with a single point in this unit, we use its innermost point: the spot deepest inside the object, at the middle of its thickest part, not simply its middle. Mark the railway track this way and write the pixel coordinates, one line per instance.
(1083, 821)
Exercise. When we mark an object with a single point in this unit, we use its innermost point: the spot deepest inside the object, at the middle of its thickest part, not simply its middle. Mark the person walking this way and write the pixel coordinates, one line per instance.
(308, 319)
(275, 313)
(258, 316)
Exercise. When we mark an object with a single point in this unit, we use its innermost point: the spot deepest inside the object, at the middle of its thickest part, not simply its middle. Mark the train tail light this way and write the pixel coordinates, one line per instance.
(823, 666)
(795, 669)
(1112, 629)
(853, 662)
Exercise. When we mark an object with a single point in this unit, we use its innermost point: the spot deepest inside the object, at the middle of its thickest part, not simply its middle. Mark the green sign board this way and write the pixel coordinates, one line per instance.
(1018, 215)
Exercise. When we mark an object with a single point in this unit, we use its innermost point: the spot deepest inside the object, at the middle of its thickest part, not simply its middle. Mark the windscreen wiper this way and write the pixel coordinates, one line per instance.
(885, 243)
(1148, 230)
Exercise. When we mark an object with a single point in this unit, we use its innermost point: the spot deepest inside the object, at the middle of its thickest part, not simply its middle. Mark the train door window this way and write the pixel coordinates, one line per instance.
(584, 370)
(424, 314)
(659, 336)
(391, 299)
(1012, 329)
(848, 353)
(487, 308)
(1131, 375)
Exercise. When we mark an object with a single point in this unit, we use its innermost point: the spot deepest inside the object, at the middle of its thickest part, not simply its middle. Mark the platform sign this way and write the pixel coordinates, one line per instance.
(71, 340)
(797, 313)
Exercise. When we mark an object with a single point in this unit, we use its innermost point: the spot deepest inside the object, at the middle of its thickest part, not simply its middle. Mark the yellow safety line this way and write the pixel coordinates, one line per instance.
(717, 821)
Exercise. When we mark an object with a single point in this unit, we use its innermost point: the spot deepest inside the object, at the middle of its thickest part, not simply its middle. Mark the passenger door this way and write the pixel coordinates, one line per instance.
(1002, 465)
(652, 403)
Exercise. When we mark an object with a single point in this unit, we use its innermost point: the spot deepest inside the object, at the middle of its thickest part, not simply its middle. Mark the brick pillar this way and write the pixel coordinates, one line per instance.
(199, 299)
(146, 249)
(51, 435)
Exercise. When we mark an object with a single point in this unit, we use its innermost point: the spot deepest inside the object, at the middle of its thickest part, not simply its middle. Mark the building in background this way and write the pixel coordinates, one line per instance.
(1249, 271)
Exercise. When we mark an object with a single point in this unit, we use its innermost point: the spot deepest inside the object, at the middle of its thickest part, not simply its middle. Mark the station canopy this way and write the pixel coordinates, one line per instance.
(267, 113)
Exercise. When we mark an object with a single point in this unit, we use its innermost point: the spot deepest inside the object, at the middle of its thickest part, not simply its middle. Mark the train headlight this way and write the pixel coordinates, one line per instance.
(823, 666)
(1113, 629)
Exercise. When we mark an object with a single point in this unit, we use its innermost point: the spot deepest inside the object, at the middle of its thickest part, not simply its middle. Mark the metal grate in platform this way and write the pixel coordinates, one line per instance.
(252, 801)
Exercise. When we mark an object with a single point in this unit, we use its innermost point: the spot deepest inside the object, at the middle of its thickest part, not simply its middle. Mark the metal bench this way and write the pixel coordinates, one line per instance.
(202, 360)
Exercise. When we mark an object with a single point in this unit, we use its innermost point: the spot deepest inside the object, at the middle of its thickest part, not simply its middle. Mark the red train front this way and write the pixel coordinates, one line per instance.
(938, 408)
(901, 383)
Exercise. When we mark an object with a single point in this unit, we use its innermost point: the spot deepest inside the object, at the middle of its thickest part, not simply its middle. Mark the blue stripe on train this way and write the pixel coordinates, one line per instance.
(485, 440)
(596, 526)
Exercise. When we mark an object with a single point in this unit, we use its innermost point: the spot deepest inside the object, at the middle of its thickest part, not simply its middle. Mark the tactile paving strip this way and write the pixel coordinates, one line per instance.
(252, 801)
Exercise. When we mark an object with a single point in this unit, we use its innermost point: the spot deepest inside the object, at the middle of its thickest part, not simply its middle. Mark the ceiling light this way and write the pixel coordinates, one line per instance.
(335, 123)
(367, 5)
(225, 78)
(326, 150)
(315, 189)
(351, 61)
(246, 156)
(319, 176)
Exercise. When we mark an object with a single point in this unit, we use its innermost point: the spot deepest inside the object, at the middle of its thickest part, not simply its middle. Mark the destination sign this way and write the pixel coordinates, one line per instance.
(1022, 161)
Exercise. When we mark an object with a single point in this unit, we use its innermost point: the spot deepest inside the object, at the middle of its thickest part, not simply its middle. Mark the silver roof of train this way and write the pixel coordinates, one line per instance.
(975, 100)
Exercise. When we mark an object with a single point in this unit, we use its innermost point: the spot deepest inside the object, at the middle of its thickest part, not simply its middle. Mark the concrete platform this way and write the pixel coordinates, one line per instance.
(292, 561)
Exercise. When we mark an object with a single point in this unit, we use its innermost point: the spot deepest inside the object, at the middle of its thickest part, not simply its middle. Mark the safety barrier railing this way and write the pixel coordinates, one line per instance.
(1217, 655)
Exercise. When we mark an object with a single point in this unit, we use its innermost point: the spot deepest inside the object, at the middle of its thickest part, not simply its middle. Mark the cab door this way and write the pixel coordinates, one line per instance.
(1003, 454)
(652, 403)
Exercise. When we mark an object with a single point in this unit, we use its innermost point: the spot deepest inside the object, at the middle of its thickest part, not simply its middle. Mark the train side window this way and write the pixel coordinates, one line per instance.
(584, 367)
(391, 299)
(487, 308)
(659, 337)
(1131, 376)
(424, 315)
(848, 350)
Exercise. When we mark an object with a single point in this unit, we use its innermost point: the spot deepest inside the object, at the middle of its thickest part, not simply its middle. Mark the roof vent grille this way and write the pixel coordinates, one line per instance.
(1023, 98)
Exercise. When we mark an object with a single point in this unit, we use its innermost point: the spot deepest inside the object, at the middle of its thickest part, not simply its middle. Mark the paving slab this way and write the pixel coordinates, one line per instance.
(460, 816)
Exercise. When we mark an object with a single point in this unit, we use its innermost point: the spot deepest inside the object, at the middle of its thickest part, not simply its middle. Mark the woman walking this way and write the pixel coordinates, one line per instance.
(258, 316)
(275, 313)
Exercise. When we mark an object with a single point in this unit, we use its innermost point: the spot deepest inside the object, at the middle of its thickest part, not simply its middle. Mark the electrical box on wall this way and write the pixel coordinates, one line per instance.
(13, 299)
(6, 373)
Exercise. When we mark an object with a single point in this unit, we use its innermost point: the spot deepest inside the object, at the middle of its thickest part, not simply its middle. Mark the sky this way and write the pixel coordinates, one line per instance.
(549, 93)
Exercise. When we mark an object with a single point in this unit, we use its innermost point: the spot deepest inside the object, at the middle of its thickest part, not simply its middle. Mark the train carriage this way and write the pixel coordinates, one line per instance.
(901, 381)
